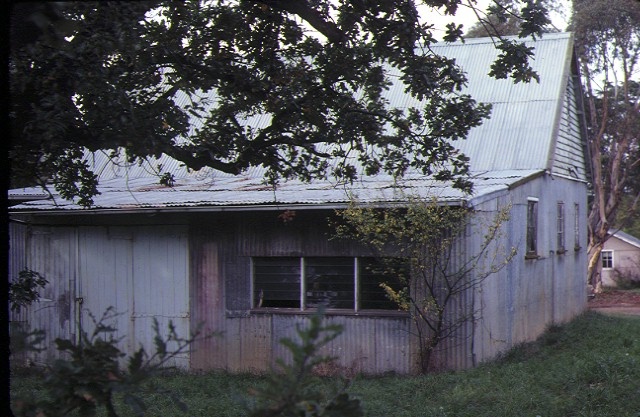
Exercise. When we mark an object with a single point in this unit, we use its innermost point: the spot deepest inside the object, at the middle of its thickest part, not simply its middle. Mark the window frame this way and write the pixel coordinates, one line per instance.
(576, 227)
(531, 241)
(304, 304)
(610, 259)
(560, 228)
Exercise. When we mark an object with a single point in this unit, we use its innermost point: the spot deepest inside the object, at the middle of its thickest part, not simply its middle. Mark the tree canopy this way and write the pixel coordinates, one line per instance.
(294, 86)
(607, 36)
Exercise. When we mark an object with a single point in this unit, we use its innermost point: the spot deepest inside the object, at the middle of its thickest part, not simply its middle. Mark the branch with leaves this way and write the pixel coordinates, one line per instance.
(282, 84)
(431, 237)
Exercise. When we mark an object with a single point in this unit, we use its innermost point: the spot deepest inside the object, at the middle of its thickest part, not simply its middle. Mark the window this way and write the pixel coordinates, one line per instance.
(576, 226)
(335, 282)
(560, 227)
(532, 228)
(607, 259)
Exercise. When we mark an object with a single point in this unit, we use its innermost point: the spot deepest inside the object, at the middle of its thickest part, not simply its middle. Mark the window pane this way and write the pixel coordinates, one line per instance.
(532, 227)
(560, 226)
(375, 271)
(329, 282)
(607, 259)
(276, 282)
(576, 225)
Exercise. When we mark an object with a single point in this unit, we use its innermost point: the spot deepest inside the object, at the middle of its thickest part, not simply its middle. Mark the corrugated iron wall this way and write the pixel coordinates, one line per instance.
(523, 300)
(250, 341)
(141, 272)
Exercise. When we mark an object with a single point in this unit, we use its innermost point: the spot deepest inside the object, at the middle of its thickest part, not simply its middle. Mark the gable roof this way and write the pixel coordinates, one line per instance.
(625, 237)
(525, 116)
(520, 140)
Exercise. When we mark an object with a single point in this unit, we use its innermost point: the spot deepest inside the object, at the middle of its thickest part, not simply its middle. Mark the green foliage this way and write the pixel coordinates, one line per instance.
(91, 373)
(182, 78)
(510, 18)
(24, 289)
(429, 235)
(22, 339)
(629, 278)
(294, 391)
(607, 39)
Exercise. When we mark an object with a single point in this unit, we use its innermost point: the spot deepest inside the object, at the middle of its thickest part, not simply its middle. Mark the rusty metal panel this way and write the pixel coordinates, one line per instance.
(207, 302)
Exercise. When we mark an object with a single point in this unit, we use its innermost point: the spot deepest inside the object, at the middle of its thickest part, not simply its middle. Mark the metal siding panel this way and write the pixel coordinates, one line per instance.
(51, 252)
(104, 279)
(207, 302)
(255, 343)
(160, 285)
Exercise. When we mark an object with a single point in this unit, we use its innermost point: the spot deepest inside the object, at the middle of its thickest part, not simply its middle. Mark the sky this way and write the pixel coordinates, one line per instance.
(466, 16)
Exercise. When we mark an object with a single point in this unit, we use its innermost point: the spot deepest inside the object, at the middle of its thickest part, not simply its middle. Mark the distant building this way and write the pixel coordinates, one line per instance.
(620, 258)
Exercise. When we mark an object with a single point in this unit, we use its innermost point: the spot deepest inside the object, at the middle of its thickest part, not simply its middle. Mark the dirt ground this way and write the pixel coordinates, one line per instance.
(616, 302)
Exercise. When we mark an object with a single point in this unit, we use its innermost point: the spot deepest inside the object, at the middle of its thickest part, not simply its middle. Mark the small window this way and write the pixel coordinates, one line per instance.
(607, 259)
(560, 227)
(532, 228)
(335, 282)
(576, 226)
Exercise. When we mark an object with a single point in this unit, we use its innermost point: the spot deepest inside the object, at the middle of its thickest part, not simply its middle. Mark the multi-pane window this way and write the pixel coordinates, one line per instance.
(532, 227)
(576, 226)
(607, 259)
(560, 227)
(334, 282)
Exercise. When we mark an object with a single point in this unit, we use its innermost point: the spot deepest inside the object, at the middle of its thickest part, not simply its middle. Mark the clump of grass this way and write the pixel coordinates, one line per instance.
(589, 367)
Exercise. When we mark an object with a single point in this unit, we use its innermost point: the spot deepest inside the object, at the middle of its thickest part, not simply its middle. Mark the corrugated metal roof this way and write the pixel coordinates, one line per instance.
(519, 133)
(512, 145)
(236, 191)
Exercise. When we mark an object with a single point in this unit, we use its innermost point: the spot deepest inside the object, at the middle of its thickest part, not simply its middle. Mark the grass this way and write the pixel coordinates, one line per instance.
(589, 367)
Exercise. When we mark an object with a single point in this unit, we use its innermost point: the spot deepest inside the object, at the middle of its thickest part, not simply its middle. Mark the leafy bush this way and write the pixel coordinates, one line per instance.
(92, 374)
(24, 290)
(628, 278)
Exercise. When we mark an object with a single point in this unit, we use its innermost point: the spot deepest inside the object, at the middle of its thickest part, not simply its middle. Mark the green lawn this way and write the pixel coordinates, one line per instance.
(590, 367)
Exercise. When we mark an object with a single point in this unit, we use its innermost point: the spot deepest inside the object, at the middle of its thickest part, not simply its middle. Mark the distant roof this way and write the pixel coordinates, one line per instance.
(513, 145)
(632, 240)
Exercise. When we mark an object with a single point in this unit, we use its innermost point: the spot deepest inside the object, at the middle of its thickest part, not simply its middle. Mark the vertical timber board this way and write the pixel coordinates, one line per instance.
(160, 286)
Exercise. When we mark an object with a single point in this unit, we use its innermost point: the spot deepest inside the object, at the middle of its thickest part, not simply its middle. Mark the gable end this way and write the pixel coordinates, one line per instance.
(568, 158)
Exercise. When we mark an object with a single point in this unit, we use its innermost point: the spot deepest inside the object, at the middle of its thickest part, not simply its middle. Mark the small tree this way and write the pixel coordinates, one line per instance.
(430, 237)
(294, 389)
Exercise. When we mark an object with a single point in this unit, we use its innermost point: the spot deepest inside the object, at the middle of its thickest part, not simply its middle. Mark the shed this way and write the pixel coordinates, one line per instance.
(620, 258)
(201, 251)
